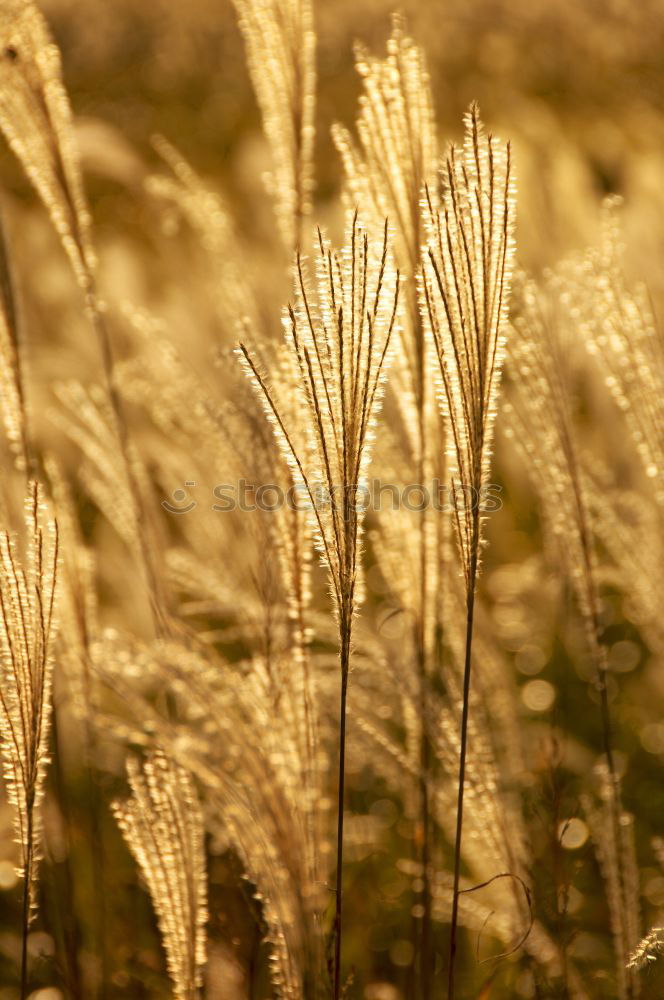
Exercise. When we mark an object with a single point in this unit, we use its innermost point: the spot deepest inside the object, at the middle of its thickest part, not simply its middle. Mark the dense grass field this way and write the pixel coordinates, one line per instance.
(332, 537)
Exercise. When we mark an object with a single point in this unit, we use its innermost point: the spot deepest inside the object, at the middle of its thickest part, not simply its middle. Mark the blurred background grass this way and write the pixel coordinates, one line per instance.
(577, 85)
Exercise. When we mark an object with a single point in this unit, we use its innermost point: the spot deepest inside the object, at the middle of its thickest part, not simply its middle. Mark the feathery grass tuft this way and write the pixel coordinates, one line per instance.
(397, 151)
(27, 633)
(281, 44)
(36, 119)
(162, 823)
(466, 286)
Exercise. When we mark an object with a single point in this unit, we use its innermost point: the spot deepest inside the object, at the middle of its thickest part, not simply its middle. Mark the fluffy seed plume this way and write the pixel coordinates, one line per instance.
(27, 632)
(339, 342)
(281, 44)
(540, 416)
(466, 284)
(396, 154)
(36, 120)
(163, 825)
(386, 172)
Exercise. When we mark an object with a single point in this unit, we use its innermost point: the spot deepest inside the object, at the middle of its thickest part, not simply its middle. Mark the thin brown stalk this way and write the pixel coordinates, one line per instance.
(25, 918)
(461, 781)
(345, 667)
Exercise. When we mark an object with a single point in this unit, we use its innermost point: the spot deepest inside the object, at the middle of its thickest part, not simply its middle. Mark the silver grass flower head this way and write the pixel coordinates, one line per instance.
(162, 823)
(280, 42)
(397, 151)
(466, 280)
(255, 760)
(36, 119)
(338, 332)
(247, 752)
(27, 634)
(386, 170)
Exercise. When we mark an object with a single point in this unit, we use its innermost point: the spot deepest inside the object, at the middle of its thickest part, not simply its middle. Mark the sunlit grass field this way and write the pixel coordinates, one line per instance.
(331, 551)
